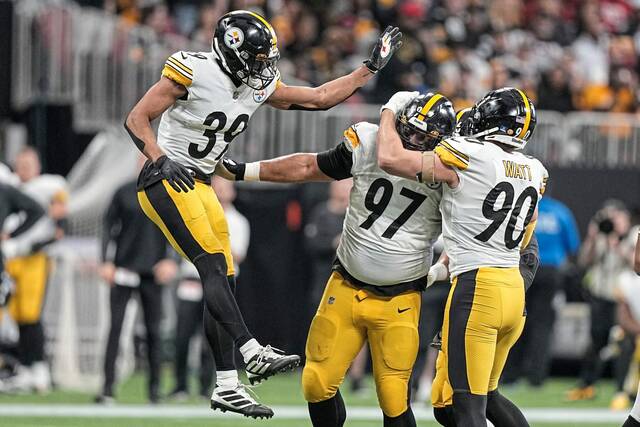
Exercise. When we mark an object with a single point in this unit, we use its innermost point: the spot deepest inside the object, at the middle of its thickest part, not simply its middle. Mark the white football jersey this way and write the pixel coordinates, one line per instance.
(485, 216)
(45, 189)
(196, 131)
(391, 223)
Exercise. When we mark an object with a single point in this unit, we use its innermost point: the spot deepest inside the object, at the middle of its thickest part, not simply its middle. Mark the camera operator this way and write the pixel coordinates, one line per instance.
(604, 255)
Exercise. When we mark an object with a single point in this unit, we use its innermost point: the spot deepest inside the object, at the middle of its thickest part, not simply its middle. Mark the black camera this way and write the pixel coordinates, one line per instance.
(604, 222)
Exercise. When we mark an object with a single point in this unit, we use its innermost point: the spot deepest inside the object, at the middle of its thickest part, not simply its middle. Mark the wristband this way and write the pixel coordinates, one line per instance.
(252, 171)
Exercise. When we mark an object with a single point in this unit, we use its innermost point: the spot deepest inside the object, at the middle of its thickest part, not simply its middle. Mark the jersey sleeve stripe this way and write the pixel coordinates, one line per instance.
(181, 66)
(454, 151)
(178, 70)
(527, 119)
(449, 158)
(173, 74)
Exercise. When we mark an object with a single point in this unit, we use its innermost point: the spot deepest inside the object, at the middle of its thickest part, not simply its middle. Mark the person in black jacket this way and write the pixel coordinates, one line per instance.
(134, 255)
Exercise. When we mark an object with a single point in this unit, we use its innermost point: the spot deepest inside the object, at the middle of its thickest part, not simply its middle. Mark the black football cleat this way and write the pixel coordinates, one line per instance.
(268, 362)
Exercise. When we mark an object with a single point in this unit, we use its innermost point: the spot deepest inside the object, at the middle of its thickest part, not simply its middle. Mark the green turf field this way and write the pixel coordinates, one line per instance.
(281, 391)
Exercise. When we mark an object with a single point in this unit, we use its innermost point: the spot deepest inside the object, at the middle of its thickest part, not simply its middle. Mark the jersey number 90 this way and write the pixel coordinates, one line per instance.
(508, 209)
(238, 126)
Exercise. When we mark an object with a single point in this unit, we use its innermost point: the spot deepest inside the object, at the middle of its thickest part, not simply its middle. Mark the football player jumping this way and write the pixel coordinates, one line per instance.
(382, 262)
(489, 208)
(206, 99)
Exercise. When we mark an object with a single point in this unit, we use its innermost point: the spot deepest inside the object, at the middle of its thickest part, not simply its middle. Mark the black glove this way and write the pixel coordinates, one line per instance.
(6, 289)
(176, 175)
(230, 169)
(387, 44)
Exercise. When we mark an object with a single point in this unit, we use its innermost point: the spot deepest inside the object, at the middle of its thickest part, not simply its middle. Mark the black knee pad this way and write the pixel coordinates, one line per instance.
(407, 419)
(444, 416)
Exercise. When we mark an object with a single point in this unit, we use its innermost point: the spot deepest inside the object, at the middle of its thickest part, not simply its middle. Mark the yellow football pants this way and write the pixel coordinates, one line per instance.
(30, 276)
(483, 319)
(193, 222)
(347, 317)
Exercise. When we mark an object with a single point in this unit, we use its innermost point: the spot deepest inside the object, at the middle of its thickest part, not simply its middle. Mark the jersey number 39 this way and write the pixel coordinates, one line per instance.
(238, 126)
(508, 209)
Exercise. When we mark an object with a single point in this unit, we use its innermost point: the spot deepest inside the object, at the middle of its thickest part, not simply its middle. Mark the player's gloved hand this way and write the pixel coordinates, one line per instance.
(388, 42)
(230, 169)
(437, 272)
(178, 176)
(6, 289)
(397, 102)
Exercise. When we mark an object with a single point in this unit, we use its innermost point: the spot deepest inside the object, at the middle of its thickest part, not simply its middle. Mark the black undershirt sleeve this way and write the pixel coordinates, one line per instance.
(336, 163)
(139, 143)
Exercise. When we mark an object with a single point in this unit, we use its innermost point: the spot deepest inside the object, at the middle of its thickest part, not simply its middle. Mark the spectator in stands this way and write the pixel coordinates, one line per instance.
(135, 258)
(604, 256)
(559, 242)
(191, 302)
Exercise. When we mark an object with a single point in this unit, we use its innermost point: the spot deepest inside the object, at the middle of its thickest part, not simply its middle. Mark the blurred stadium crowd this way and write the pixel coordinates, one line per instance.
(567, 55)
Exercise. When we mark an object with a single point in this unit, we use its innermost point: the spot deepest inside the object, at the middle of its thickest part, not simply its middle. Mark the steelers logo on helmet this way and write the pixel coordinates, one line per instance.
(233, 37)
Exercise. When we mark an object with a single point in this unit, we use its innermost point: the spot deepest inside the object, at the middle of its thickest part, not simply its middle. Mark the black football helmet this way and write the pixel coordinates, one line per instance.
(424, 121)
(462, 122)
(504, 116)
(247, 46)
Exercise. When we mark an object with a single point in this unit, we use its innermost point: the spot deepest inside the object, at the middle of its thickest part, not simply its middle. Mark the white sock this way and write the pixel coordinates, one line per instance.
(226, 378)
(250, 349)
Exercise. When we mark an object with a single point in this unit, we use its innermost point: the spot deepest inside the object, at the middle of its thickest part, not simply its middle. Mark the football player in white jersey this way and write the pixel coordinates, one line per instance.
(489, 208)
(206, 99)
(28, 265)
(382, 260)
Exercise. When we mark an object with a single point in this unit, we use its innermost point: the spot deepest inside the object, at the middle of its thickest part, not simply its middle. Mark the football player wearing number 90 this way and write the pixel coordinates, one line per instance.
(489, 209)
(206, 99)
(381, 264)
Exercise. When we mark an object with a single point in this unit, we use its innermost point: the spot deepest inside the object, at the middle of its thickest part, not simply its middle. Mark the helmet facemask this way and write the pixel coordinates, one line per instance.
(259, 70)
(415, 137)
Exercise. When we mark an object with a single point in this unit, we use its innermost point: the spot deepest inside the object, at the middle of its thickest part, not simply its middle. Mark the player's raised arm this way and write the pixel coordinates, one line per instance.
(336, 91)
